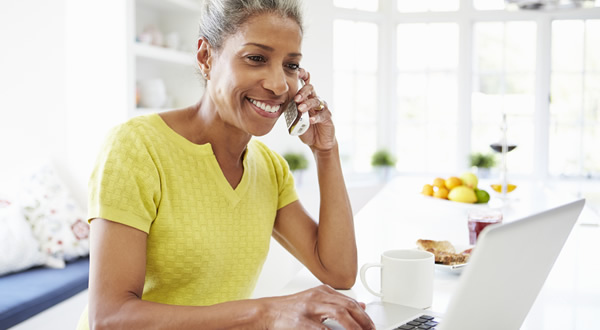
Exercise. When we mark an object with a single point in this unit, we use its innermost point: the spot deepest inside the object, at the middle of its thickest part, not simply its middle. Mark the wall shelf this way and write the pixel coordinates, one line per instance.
(163, 54)
(155, 22)
(183, 6)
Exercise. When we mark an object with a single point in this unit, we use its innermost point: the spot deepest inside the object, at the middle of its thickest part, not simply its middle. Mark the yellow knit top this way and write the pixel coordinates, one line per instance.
(207, 242)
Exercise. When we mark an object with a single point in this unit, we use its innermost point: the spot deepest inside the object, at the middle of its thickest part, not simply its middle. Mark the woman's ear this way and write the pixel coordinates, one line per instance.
(204, 57)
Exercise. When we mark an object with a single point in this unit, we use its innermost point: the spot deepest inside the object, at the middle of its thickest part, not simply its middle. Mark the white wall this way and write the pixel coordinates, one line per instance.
(33, 92)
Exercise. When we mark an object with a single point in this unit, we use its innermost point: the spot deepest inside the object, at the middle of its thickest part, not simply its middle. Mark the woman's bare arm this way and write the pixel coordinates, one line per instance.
(117, 271)
(329, 248)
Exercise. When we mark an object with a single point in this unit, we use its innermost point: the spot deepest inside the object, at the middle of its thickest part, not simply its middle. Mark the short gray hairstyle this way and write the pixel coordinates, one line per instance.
(222, 18)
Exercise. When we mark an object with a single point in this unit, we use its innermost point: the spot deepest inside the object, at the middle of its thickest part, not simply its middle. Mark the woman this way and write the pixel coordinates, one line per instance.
(182, 204)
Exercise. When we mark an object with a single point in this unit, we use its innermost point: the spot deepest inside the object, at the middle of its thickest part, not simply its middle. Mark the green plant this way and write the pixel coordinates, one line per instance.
(296, 161)
(482, 160)
(383, 158)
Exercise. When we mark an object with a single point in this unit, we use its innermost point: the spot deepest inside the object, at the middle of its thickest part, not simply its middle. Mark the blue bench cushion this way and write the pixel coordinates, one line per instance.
(24, 294)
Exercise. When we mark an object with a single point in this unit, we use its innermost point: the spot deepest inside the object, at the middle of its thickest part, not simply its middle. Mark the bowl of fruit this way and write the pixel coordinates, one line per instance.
(462, 189)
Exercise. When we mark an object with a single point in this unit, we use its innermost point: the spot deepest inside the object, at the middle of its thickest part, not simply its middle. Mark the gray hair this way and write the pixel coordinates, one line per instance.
(222, 18)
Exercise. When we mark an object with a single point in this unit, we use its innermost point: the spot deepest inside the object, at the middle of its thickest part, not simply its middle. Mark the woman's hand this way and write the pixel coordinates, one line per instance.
(321, 134)
(308, 309)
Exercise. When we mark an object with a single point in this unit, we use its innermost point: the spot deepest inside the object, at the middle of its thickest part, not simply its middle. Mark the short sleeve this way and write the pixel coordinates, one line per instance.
(285, 179)
(125, 184)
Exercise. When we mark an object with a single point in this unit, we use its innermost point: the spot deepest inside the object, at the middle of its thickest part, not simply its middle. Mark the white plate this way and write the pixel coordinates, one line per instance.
(456, 269)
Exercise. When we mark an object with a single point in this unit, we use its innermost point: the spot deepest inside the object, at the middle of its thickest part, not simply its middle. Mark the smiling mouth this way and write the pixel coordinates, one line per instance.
(264, 106)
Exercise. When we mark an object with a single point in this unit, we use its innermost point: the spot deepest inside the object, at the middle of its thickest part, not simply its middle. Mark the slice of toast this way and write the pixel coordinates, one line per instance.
(444, 252)
(442, 246)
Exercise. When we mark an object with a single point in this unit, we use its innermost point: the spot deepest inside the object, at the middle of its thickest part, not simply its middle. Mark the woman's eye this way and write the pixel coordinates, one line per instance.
(256, 58)
(293, 66)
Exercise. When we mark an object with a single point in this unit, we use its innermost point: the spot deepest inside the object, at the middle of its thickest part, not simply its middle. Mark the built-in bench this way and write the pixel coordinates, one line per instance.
(27, 293)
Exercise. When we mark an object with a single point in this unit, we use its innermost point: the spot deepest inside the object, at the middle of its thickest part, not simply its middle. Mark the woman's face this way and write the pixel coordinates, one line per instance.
(255, 74)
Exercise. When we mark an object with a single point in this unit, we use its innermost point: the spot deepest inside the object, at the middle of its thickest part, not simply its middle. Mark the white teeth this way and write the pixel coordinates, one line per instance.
(265, 107)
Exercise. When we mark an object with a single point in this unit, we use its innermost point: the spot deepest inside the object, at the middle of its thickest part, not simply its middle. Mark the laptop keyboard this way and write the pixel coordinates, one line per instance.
(423, 322)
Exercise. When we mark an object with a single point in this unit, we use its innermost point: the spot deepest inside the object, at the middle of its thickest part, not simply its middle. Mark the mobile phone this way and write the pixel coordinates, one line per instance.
(297, 122)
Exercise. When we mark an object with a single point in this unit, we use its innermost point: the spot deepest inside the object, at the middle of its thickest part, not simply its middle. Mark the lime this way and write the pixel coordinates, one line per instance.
(482, 196)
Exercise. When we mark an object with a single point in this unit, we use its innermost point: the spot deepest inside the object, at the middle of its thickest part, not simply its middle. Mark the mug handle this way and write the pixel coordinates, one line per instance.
(363, 271)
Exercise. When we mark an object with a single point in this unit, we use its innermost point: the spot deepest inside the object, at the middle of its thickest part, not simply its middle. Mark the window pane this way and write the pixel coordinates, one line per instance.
(566, 92)
(504, 82)
(366, 54)
(575, 106)
(441, 147)
(420, 46)
(412, 6)
(591, 157)
(565, 148)
(520, 49)
(484, 134)
(442, 53)
(355, 91)
(489, 84)
(427, 96)
(520, 132)
(349, 57)
(567, 46)
(592, 44)
(366, 5)
(442, 96)
(485, 108)
(488, 4)
(343, 47)
(343, 83)
(443, 5)
(412, 47)
(412, 151)
(489, 46)
(366, 111)
(592, 97)
(520, 83)
(412, 96)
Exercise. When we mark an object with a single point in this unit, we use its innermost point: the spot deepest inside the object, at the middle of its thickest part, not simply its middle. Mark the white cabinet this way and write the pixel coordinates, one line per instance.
(163, 39)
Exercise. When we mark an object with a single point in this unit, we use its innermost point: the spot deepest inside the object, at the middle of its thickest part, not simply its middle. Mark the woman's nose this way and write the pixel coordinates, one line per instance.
(276, 82)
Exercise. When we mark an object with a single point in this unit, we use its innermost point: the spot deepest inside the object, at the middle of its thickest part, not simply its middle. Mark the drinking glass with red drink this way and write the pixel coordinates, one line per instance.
(481, 218)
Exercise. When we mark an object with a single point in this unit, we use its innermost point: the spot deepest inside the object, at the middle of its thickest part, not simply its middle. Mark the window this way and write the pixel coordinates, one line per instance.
(503, 83)
(355, 69)
(366, 5)
(426, 91)
(575, 98)
(431, 80)
(412, 6)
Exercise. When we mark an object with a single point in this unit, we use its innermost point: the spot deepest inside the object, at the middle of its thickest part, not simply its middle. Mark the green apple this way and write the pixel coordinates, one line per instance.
(469, 179)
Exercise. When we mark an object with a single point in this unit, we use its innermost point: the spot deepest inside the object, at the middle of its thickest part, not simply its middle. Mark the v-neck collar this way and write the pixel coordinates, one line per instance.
(204, 150)
(234, 195)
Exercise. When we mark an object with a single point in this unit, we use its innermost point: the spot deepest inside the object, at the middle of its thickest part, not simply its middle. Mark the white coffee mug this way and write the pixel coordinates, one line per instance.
(406, 277)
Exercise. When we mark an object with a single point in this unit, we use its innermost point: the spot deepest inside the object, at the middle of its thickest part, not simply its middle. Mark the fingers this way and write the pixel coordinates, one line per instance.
(345, 310)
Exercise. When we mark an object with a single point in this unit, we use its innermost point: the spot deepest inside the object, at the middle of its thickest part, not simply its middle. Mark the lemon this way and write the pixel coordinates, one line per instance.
(427, 190)
(441, 192)
(462, 194)
(453, 182)
(482, 196)
(498, 187)
(439, 182)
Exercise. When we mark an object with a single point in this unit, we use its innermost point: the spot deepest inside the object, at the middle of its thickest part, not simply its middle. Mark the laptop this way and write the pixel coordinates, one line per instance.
(504, 276)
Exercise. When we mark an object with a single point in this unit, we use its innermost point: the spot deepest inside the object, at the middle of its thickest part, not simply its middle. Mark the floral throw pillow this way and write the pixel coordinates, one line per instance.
(57, 222)
(20, 249)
